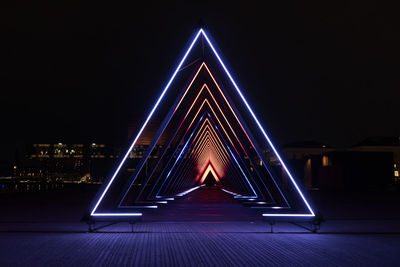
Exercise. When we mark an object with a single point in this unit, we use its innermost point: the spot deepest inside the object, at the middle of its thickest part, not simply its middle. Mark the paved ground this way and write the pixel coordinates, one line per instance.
(37, 232)
(180, 244)
(208, 204)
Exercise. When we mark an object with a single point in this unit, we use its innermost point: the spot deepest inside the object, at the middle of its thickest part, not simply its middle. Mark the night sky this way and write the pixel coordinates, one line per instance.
(320, 72)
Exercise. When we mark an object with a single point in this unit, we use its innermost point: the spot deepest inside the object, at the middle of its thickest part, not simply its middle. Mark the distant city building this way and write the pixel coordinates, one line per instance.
(66, 162)
(62, 162)
(373, 163)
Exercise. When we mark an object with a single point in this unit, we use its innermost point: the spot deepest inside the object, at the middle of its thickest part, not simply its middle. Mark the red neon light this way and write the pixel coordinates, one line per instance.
(210, 168)
(215, 82)
(205, 137)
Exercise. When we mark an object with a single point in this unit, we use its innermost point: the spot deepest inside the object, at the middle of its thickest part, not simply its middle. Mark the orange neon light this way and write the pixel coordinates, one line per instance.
(220, 110)
(208, 154)
(216, 84)
(205, 101)
(207, 171)
(205, 137)
(209, 132)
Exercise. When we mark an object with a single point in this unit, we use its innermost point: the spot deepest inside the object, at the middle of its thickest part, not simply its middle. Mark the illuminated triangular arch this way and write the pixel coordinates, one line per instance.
(93, 213)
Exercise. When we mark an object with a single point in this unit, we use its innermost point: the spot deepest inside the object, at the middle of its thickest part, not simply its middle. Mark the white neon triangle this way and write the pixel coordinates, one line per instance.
(201, 32)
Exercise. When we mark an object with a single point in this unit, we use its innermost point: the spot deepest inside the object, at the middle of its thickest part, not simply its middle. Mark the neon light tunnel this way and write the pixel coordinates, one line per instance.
(201, 128)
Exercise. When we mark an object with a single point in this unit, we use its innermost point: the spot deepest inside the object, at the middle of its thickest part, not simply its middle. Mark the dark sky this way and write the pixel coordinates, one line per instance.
(318, 71)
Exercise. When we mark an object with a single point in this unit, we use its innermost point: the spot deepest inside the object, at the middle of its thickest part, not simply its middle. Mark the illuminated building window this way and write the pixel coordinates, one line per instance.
(325, 161)
(396, 173)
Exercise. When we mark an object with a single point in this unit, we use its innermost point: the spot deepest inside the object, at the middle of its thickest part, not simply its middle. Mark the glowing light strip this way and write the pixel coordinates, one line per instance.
(223, 115)
(209, 138)
(230, 107)
(252, 189)
(203, 131)
(273, 208)
(188, 191)
(214, 153)
(214, 133)
(215, 137)
(215, 102)
(233, 112)
(210, 132)
(237, 163)
(215, 82)
(261, 128)
(144, 125)
(205, 101)
(208, 156)
(209, 169)
(192, 81)
(212, 110)
(237, 119)
(255, 194)
(180, 154)
(201, 31)
(287, 215)
(140, 207)
(203, 115)
(189, 86)
(206, 151)
(230, 192)
(201, 118)
(197, 125)
(206, 125)
(217, 149)
(209, 105)
(117, 214)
